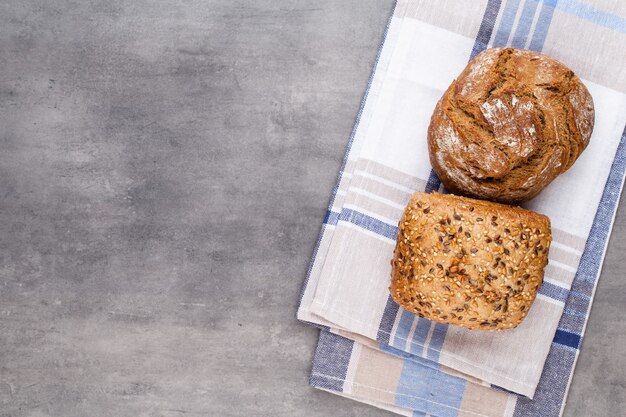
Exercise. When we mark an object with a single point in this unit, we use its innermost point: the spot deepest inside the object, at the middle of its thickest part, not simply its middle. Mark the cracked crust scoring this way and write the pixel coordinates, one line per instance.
(508, 125)
(468, 262)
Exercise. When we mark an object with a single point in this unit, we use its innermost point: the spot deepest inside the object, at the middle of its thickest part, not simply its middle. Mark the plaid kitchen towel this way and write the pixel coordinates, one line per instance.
(350, 288)
(427, 44)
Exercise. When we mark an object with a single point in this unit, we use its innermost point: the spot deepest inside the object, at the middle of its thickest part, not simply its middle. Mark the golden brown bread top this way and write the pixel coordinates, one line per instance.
(508, 125)
(468, 262)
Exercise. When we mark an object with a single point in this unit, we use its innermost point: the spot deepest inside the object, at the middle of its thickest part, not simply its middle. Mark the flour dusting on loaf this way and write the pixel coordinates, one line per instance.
(508, 125)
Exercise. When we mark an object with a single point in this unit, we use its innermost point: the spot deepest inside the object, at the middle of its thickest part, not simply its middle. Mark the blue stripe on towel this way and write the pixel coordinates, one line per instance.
(436, 341)
(403, 329)
(567, 339)
(332, 217)
(419, 385)
(386, 322)
(419, 336)
(369, 223)
(542, 26)
(433, 182)
(332, 357)
(553, 291)
(506, 23)
(525, 22)
(486, 27)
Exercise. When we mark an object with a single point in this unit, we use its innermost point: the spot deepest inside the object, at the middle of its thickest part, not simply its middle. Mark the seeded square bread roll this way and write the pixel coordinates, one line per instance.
(469, 262)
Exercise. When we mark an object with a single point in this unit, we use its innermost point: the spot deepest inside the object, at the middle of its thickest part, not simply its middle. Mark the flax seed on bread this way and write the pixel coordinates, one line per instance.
(468, 262)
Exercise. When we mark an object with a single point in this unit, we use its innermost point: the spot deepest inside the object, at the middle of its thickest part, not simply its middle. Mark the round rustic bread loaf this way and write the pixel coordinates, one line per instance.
(509, 125)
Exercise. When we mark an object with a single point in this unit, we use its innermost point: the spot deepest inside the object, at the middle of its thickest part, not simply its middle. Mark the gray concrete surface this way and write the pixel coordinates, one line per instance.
(164, 170)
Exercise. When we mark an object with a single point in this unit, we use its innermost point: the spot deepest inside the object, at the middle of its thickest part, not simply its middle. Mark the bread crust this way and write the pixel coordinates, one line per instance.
(467, 262)
(509, 125)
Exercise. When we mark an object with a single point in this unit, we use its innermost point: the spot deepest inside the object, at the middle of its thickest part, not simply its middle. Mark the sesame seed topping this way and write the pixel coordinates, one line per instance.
(492, 269)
